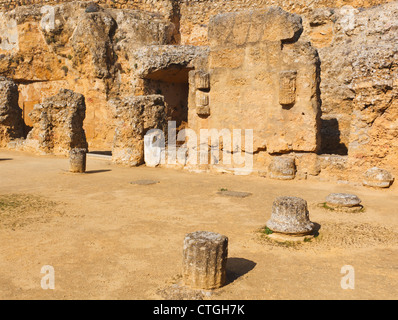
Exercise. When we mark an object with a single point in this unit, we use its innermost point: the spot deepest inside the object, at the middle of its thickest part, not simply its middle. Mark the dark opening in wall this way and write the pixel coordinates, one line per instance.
(331, 138)
(172, 83)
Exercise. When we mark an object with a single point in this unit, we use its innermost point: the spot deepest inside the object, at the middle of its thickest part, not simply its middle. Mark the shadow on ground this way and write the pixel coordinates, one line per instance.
(238, 267)
(97, 171)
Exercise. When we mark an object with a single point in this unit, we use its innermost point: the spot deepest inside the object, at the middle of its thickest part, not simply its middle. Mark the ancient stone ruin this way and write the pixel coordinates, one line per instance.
(58, 124)
(343, 202)
(290, 218)
(249, 62)
(299, 76)
(11, 123)
(377, 178)
(77, 160)
(282, 168)
(134, 117)
(205, 260)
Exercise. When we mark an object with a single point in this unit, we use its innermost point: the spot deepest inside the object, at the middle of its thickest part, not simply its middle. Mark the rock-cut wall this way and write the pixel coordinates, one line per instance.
(101, 53)
(161, 6)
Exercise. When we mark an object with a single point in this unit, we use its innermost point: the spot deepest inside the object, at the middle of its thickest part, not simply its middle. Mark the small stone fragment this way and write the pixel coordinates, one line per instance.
(341, 200)
(378, 178)
(92, 7)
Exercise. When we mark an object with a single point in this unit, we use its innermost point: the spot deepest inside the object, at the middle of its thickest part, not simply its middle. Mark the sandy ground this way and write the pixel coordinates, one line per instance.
(109, 239)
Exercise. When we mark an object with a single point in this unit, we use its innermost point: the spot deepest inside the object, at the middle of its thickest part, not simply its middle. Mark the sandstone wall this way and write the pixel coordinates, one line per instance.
(374, 124)
(95, 54)
(359, 57)
(195, 14)
(252, 56)
(259, 76)
(87, 52)
(160, 6)
(357, 49)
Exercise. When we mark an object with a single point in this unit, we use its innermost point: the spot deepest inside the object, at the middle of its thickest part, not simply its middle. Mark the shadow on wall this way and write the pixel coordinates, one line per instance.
(331, 138)
(26, 129)
(102, 153)
(238, 267)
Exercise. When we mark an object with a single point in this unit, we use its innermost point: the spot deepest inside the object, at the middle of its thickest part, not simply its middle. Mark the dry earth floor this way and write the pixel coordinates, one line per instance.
(109, 239)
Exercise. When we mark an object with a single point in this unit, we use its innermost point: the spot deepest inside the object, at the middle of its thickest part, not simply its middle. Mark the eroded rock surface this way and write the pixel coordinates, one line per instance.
(265, 68)
(58, 124)
(262, 77)
(135, 116)
(11, 123)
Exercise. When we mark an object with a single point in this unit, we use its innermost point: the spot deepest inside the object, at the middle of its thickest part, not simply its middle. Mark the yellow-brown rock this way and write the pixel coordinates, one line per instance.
(58, 124)
(11, 124)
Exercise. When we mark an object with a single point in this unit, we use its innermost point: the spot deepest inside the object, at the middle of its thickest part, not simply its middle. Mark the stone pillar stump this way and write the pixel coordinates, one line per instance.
(204, 260)
(77, 160)
(290, 216)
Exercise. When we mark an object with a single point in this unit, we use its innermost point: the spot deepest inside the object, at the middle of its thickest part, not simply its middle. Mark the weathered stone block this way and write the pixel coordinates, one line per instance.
(253, 57)
(227, 58)
(342, 200)
(308, 164)
(378, 178)
(203, 111)
(58, 124)
(202, 80)
(282, 168)
(287, 87)
(135, 116)
(239, 28)
(202, 99)
(204, 260)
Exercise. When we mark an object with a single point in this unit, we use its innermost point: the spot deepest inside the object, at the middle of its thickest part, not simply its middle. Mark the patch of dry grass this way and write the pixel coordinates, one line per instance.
(20, 210)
